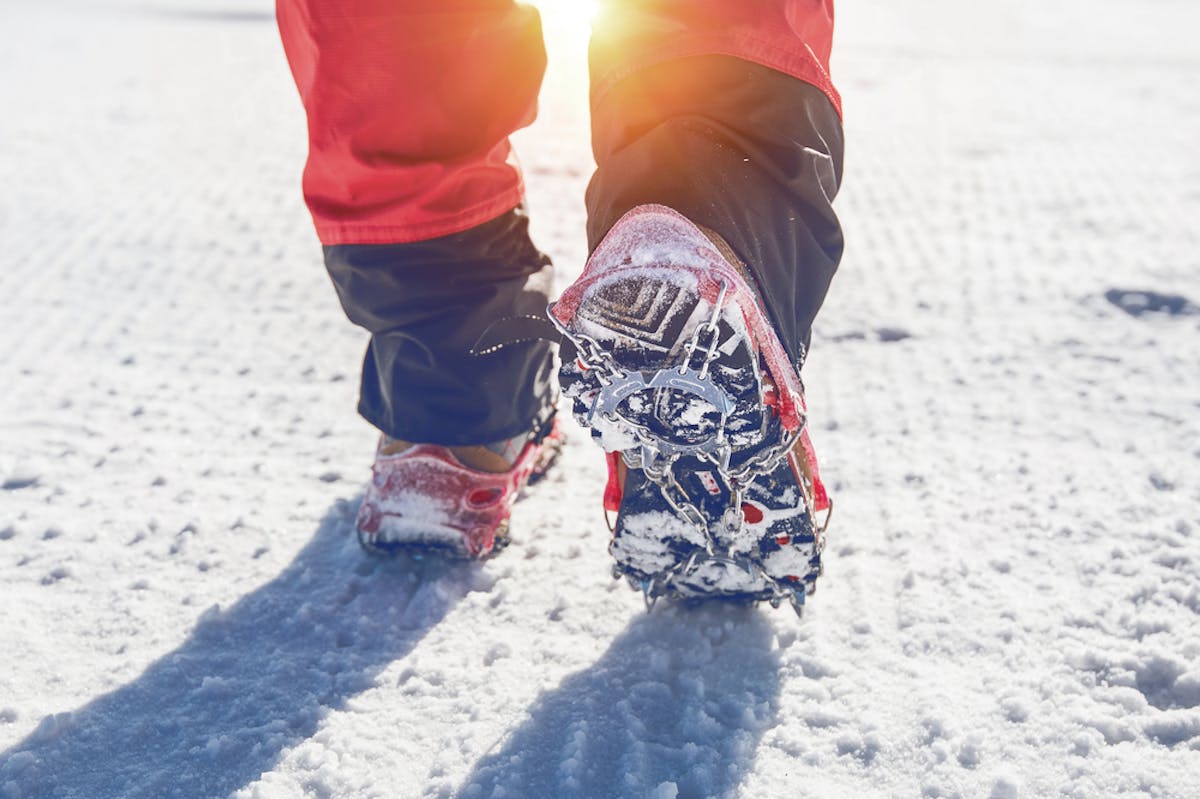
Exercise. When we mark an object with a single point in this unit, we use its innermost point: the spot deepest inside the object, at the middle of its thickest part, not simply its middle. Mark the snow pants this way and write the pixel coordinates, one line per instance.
(720, 109)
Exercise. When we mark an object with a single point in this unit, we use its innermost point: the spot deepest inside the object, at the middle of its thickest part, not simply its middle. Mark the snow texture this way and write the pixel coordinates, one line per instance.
(1005, 388)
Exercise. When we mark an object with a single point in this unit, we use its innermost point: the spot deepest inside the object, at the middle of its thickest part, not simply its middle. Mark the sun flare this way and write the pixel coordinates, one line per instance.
(571, 14)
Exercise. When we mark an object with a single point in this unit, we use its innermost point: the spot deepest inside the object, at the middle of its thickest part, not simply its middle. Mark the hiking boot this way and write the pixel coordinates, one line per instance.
(452, 500)
(683, 381)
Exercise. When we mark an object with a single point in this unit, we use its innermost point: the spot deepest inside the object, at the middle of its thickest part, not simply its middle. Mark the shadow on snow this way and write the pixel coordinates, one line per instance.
(674, 708)
(250, 682)
(676, 705)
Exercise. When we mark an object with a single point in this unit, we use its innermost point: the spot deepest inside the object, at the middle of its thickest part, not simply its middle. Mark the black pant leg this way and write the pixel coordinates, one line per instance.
(425, 304)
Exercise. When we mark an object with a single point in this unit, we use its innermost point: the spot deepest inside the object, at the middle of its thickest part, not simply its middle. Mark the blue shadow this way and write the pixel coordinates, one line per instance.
(250, 682)
(675, 707)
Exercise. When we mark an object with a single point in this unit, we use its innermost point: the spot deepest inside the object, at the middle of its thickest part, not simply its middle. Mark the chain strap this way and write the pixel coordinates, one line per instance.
(656, 458)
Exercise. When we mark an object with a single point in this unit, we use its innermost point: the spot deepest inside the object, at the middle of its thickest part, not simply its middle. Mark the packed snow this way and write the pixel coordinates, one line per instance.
(1004, 387)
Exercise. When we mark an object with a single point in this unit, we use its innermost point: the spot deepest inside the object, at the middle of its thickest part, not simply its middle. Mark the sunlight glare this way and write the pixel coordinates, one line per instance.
(573, 15)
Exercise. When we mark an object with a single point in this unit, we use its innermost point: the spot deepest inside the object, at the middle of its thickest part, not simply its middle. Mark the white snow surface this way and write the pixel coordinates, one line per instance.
(1004, 387)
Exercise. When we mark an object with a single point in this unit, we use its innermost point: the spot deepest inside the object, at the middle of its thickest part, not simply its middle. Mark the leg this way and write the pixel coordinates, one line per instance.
(718, 150)
(415, 197)
(732, 120)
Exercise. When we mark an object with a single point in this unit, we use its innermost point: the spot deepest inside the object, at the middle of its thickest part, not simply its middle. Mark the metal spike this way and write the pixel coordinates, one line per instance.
(648, 594)
(691, 562)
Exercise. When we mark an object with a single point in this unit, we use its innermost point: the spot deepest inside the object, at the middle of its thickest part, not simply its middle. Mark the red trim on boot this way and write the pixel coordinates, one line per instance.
(614, 490)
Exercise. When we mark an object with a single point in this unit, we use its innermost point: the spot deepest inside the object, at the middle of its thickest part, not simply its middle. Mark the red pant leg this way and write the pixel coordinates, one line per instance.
(409, 106)
(790, 36)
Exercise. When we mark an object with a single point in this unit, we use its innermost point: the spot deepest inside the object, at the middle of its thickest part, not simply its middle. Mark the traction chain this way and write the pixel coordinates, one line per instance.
(657, 457)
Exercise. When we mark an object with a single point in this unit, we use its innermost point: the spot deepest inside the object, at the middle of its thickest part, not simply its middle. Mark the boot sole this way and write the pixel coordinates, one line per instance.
(643, 315)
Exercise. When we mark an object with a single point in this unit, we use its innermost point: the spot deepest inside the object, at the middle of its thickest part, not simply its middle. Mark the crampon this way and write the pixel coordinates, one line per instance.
(683, 381)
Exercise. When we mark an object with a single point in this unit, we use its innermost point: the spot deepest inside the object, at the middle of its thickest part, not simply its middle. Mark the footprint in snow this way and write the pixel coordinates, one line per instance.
(886, 335)
(1139, 303)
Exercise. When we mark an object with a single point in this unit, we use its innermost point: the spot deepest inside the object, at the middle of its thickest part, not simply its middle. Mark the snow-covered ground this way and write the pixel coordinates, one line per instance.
(1005, 387)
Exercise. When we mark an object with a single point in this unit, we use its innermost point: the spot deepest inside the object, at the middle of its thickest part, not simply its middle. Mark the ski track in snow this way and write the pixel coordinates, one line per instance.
(1004, 386)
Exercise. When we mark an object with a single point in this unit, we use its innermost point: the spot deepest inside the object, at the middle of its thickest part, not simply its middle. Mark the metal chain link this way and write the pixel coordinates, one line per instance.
(658, 465)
